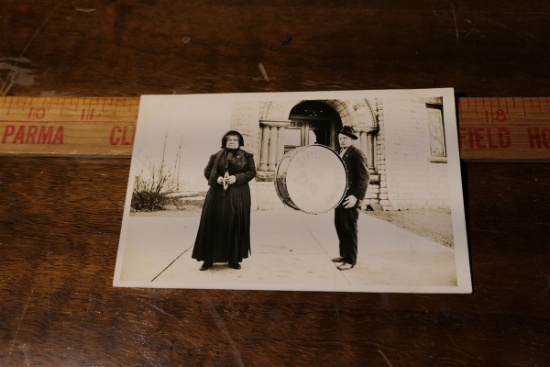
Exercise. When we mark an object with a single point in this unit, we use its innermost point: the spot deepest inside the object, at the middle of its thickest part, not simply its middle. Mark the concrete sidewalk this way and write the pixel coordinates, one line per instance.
(291, 250)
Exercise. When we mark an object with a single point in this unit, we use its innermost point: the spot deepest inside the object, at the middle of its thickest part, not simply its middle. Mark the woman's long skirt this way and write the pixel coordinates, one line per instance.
(224, 230)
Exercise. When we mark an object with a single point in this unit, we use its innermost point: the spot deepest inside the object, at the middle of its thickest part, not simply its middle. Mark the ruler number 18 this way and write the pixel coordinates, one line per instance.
(499, 115)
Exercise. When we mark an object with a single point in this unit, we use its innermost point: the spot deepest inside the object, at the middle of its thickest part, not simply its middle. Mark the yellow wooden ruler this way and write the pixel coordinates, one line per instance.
(502, 128)
(64, 126)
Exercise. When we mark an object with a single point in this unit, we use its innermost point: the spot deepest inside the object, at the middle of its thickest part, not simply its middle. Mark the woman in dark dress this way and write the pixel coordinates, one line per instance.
(224, 230)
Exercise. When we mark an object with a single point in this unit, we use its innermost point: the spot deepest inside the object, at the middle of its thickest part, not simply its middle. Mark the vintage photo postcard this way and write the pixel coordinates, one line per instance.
(344, 191)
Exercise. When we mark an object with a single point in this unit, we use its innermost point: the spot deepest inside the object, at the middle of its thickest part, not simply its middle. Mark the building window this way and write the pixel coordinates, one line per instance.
(438, 149)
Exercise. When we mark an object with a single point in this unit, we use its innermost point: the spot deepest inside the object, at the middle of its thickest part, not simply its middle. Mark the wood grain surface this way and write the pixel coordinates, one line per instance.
(60, 217)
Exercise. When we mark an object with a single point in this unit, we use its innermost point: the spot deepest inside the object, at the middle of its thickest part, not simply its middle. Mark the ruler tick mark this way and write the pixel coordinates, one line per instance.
(9, 106)
(506, 104)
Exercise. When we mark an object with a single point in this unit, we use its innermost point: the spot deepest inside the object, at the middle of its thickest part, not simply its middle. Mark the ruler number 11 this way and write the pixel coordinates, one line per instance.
(87, 114)
(498, 115)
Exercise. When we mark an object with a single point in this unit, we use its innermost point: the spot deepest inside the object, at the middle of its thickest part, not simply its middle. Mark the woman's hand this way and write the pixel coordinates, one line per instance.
(231, 180)
(219, 180)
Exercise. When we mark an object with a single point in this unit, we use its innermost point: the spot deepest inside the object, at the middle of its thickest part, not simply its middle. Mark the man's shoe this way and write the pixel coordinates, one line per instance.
(236, 266)
(205, 266)
(345, 266)
(338, 260)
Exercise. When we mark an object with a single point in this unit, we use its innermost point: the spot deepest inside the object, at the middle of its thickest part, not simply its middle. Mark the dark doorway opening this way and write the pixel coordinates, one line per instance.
(312, 122)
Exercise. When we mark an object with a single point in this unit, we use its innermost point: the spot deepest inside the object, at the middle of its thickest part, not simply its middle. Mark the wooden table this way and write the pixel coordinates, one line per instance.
(61, 217)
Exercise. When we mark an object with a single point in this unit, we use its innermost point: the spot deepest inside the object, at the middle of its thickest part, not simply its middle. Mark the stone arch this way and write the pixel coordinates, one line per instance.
(274, 118)
(276, 110)
(352, 112)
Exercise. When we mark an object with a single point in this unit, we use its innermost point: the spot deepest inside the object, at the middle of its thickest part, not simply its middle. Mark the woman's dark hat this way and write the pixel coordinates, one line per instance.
(232, 132)
(348, 130)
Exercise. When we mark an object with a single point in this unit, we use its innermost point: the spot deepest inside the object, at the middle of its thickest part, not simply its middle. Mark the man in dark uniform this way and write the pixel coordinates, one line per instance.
(346, 214)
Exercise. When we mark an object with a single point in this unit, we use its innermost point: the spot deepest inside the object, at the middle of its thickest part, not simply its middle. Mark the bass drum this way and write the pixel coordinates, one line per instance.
(312, 179)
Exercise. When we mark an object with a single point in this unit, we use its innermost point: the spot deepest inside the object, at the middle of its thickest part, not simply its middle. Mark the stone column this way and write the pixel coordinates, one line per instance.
(363, 142)
(370, 151)
(273, 143)
(280, 144)
(272, 147)
(366, 143)
(264, 148)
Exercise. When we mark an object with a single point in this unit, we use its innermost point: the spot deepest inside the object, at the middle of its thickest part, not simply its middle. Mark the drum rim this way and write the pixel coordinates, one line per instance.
(288, 200)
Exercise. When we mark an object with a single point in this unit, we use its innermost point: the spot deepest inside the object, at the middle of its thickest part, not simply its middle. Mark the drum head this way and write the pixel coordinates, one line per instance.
(313, 177)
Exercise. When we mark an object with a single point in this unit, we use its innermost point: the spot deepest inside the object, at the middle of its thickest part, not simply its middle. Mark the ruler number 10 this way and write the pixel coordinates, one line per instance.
(498, 115)
(36, 113)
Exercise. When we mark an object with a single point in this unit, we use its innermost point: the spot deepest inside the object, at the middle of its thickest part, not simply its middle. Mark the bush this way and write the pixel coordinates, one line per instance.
(151, 193)
(148, 194)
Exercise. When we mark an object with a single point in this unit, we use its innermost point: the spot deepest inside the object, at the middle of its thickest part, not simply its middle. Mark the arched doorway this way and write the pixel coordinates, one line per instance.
(312, 122)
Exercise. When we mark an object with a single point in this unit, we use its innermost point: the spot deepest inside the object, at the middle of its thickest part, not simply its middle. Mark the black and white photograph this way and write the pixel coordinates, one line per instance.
(343, 191)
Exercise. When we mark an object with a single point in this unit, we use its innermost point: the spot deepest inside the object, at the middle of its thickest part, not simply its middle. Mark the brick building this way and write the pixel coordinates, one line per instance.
(403, 139)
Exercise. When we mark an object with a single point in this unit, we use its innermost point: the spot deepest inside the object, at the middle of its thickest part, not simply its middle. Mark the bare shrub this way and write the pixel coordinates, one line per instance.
(149, 194)
(152, 189)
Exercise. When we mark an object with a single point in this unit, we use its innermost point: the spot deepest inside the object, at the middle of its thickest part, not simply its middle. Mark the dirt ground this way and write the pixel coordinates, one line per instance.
(435, 224)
